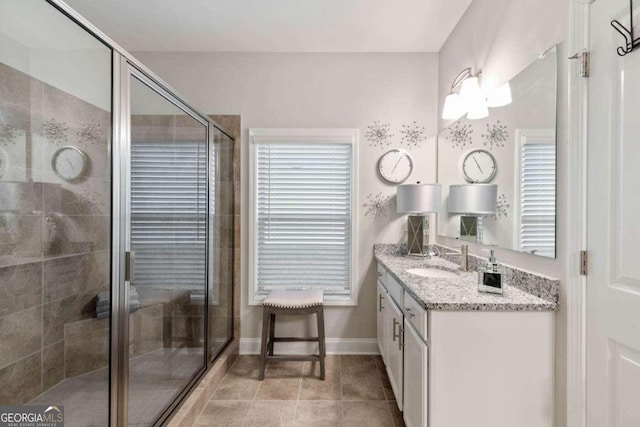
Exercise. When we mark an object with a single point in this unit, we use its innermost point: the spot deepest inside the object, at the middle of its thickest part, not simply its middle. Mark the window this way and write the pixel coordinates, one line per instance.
(303, 210)
(168, 213)
(536, 219)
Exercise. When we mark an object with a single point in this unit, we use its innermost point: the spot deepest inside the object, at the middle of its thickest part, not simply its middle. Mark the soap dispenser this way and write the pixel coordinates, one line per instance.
(491, 278)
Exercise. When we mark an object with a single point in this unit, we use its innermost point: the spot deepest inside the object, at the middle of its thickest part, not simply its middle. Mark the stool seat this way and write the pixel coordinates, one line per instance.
(294, 299)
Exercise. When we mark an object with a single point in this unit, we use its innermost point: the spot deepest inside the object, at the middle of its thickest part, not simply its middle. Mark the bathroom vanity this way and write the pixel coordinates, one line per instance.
(457, 357)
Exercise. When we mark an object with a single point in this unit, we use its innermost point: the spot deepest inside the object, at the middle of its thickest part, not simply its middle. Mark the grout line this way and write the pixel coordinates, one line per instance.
(340, 374)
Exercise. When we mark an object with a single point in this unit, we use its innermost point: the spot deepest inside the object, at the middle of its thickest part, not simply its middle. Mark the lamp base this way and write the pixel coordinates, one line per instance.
(471, 229)
(418, 235)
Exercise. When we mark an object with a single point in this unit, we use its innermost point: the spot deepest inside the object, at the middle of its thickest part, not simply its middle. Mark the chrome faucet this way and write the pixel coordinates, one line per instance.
(464, 257)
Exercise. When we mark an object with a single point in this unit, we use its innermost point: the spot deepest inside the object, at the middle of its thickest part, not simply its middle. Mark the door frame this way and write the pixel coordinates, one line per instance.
(578, 93)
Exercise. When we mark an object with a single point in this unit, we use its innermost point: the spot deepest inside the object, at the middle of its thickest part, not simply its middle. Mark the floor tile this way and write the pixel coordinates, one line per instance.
(318, 413)
(269, 413)
(312, 388)
(224, 413)
(237, 388)
(292, 395)
(279, 389)
(367, 413)
(360, 378)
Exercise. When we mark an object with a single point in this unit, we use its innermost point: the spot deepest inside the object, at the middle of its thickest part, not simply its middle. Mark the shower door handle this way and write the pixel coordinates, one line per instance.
(129, 264)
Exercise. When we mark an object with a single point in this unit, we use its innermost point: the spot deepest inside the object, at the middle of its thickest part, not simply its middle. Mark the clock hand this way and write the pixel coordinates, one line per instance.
(70, 164)
(478, 164)
(396, 165)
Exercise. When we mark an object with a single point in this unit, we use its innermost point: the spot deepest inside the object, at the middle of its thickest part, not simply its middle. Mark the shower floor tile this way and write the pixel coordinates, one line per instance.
(155, 378)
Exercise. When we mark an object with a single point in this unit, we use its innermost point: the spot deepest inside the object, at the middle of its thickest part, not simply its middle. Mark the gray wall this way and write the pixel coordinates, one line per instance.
(318, 91)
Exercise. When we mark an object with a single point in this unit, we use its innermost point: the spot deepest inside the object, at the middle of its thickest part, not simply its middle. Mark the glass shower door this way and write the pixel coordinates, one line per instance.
(168, 234)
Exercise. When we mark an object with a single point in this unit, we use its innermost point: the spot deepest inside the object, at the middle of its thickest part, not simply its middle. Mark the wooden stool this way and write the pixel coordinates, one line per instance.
(291, 302)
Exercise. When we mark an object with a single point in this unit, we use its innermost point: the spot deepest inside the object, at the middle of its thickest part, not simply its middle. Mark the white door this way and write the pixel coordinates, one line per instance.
(393, 346)
(380, 320)
(415, 378)
(613, 223)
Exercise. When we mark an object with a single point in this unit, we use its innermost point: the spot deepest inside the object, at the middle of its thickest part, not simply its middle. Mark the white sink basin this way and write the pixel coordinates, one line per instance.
(432, 272)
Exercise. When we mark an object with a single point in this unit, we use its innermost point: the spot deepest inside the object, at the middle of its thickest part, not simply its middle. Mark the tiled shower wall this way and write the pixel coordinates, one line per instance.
(227, 229)
(54, 237)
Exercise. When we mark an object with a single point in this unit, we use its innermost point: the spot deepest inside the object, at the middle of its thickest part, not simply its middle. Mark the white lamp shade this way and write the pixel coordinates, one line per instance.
(478, 110)
(500, 96)
(473, 100)
(473, 199)
(470, 90)
(419, 198)
(453, 107)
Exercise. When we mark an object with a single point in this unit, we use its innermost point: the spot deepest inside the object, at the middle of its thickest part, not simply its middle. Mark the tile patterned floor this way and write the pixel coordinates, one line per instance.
(356, 392)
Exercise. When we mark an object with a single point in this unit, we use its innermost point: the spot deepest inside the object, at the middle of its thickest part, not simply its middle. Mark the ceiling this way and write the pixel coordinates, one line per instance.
(275, 25)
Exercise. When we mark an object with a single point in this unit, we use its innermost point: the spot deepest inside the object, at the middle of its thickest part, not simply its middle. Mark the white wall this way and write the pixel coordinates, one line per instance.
(318, 91)
(501, 37)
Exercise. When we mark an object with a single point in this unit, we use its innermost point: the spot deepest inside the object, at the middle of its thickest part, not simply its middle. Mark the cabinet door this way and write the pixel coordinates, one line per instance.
(380, 309)
(415, 378)
(393, 346)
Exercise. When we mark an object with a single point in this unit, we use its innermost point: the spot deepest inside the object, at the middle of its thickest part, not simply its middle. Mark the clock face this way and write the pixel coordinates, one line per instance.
(479, 166)
(69, 163)
(395, 166)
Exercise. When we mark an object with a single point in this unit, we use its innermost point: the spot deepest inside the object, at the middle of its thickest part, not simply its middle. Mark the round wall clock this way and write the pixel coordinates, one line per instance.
(69, 163)
(395, 166)
(479, 166)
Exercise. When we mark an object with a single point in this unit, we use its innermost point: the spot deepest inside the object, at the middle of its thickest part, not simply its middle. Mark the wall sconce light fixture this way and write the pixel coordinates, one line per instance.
(466, 97)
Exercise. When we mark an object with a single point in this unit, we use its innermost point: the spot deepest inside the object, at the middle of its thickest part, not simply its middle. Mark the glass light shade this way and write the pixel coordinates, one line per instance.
(470, 90)
(478, 110)
(473, 199)
(419, 198)
(453, 107)
(473, 100)
(500, 96)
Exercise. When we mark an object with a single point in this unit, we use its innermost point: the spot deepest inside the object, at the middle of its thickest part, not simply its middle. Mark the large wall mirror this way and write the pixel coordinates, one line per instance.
(498, 174)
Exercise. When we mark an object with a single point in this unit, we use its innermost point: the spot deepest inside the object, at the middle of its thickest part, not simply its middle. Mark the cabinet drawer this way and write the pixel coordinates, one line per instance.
(395, 289)
(416, 315)
(382, 275)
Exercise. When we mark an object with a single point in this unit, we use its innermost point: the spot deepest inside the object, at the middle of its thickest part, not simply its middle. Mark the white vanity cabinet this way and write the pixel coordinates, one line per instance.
(393, 350)
(416, 383)
(380, 317)
(466, 368)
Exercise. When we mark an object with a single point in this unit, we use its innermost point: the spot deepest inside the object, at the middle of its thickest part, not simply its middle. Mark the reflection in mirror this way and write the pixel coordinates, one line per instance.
(514, 150)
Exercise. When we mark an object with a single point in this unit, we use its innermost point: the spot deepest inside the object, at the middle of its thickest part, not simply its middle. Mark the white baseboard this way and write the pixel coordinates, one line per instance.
(334, 346)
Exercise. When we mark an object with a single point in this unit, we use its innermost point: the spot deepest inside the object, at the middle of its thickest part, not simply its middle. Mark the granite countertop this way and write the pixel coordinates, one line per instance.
(459, 293)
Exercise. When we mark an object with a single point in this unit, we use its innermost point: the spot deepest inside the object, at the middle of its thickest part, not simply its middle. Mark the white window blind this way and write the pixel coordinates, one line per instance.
(168, 213)
(538, 195)
(303, 216)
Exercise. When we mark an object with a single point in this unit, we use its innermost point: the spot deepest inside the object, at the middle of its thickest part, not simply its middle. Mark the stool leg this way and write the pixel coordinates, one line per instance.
(265, 336)
(321, 343)
(272, 330)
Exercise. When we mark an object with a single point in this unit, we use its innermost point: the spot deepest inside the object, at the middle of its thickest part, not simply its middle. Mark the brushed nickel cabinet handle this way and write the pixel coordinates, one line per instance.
(396, 323)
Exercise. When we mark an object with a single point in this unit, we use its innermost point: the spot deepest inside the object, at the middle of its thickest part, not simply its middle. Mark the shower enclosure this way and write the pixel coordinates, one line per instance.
(116, 226)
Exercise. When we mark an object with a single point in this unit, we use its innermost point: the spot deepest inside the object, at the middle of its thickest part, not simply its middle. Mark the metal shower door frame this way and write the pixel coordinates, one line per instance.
(124, 71)
(124, 65)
